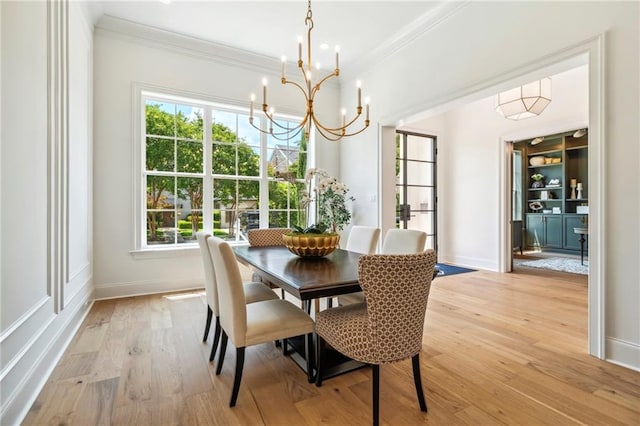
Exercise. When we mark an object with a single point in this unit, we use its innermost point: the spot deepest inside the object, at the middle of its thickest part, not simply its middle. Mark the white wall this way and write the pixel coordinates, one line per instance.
(478, 47)
(129, 54)
(469, 150)
(46, 192)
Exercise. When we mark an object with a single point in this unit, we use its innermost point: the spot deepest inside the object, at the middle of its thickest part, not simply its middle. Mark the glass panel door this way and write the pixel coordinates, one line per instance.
(416, 195)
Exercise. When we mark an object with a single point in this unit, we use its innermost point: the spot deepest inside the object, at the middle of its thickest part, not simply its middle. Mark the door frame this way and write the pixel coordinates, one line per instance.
(592, 52)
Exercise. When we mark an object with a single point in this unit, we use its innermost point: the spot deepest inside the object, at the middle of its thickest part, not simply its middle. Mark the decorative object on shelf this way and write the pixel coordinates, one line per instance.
(579, 190)
(553, 183)
(309, 89)
(573, 188)
(548, 160)
(525, 101)
(537, 181)
(556, 160)
(556, 210)
(582, 209)
(536, 206)
(537, 160)
(547, 211)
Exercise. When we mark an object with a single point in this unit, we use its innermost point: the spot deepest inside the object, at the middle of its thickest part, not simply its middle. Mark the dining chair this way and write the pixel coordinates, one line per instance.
(254, 292)
(389, 326)
(266, 237)
(403, 241)
(396, 241)
(363, 239)
(253, 323)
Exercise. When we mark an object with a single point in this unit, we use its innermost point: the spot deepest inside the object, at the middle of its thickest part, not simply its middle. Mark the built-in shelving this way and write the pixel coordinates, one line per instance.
(548, 209)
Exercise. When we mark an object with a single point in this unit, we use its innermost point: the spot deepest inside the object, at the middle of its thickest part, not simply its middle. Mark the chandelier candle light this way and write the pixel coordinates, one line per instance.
(309, 90)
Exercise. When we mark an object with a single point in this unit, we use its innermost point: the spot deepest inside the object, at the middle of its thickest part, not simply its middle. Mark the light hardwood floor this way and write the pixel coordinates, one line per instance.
(498, 349)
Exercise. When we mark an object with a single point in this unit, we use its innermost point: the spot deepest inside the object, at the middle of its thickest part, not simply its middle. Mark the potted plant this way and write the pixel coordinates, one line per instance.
(537, 180)
(329, 198)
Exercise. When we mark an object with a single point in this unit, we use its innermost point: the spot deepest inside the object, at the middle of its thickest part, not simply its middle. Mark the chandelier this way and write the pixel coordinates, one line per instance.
(309, 90)
(525, 101)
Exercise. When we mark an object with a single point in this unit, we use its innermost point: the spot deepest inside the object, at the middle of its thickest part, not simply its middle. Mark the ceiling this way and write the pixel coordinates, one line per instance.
(271, 27)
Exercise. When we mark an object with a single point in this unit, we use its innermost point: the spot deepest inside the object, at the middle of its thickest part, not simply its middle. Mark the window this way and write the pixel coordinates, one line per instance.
(206, 168)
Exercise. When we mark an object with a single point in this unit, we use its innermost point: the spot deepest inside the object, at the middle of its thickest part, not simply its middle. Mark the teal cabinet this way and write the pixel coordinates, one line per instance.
(571, 239)
(544, 231)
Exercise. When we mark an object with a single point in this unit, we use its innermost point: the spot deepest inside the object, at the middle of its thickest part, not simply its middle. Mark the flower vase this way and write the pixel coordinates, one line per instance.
(537, 184)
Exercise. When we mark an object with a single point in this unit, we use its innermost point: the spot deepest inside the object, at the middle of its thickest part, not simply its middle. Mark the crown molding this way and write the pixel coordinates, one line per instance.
(117, 28)
(407, 35)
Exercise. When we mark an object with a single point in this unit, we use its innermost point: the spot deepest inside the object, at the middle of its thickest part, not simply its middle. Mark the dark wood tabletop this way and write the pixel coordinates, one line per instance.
(305, 278)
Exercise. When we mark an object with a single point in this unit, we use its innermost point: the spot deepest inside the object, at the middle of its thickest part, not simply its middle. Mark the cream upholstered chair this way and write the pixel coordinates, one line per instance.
(253, 323)
(254, 292)
(266, 237)
(363, 239)
(397, 241)
(389, 326)
(403, 241)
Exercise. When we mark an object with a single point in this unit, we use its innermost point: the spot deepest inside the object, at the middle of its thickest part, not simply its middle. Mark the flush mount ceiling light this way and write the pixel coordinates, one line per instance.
(309, 88)
(525, 101)
(580, 133)
(537, 140)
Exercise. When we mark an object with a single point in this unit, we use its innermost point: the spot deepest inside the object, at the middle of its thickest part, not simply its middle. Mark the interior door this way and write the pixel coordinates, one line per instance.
(416, 194)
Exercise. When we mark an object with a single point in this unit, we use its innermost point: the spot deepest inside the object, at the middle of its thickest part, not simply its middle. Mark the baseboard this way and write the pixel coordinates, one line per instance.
(620, 352)
(468, 262)
(141, 288)
(32, 377)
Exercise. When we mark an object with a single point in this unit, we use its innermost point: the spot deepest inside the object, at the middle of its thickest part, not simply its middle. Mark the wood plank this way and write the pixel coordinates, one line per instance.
(497, 349)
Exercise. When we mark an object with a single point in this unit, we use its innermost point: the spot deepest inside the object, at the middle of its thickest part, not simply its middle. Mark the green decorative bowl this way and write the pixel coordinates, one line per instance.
(311, 245)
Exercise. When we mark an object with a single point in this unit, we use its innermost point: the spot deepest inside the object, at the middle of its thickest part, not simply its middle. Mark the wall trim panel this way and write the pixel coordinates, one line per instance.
(625, 354)
(30, 373)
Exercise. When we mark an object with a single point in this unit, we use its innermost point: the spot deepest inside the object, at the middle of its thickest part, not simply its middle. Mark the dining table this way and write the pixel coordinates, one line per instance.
(307, 278)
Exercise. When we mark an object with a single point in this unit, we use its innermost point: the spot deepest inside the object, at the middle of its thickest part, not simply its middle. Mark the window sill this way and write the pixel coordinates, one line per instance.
(165, 252)
(188, 250)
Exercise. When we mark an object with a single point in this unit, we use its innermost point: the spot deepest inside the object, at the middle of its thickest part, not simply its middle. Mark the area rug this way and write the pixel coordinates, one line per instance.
(562, 264)
(451, 270)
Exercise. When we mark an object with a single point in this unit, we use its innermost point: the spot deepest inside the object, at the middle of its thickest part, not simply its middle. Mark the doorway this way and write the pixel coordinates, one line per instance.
(416, 190)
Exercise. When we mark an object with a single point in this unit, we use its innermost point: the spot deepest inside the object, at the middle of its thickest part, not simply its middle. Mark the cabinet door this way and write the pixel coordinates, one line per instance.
(553, 231)
(571, 239)
(535, 231)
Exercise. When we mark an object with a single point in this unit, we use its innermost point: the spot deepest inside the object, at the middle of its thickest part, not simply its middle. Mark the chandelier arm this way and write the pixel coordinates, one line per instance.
(271, 120)
(306, 96)
(316, 87)
(289, 133)
(343, 127)
(340, 131)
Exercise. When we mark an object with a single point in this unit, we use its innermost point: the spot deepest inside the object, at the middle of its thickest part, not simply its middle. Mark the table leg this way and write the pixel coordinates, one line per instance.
(582, 240)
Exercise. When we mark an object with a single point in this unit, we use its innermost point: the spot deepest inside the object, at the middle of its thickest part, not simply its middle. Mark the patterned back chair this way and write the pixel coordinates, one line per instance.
(389, 326)
(265, 237)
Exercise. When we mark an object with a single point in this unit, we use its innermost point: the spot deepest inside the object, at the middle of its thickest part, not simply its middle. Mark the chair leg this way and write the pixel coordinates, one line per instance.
(308, 353)
(216, 339)
(415, 360)
(376, 394)
(320, 349)
(223, 349)
(208, 324)
(238, 376)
